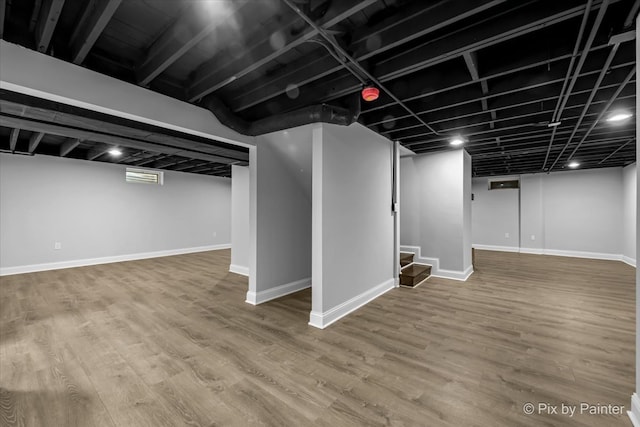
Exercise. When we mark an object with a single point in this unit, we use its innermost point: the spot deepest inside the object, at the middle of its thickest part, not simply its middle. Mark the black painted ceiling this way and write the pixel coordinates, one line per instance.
(496, 73)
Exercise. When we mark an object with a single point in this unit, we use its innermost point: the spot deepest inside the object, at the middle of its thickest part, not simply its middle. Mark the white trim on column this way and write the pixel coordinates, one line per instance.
(259, 297)
(629, 260)
(6, 271)
(239, 269)
(634, 413)
(322, 320)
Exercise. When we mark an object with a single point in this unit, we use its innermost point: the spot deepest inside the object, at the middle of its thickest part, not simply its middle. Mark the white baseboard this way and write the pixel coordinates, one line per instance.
(532, 251)
(238, 269)
(634, 413)
(6, 271)
(322, 320)
(497, 248)
(561, 252)
(259, 297)
(436, 271)
(582, 254)
(455, 274)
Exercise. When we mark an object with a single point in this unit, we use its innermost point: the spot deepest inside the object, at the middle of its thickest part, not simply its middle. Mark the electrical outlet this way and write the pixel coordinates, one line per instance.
(506, 235)
(533, 237)
(57, 246)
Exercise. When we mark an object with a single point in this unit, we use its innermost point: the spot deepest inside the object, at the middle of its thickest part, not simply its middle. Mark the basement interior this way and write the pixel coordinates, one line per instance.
(319, 213)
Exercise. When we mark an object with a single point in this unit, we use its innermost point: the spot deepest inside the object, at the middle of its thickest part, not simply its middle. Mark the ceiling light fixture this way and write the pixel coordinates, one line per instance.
(573, 164)
(370, 93)
(457, 140)
(115, 152)
(619, 116)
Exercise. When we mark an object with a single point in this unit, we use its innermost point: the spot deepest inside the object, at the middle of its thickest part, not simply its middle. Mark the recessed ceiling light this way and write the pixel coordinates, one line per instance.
(456, 141)
(573, 165)
(618, 117)
(115, 152)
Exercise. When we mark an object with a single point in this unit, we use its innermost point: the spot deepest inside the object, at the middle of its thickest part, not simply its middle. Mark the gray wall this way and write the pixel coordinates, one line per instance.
(629, 213)
(435, 209)
(240, 220)
(569, 213)
(90, 209)
(283, 210)
(496, 216)
(583, 211)
(353, 224)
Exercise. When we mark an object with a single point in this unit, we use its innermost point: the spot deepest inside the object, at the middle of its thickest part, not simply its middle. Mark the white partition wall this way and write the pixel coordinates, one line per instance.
(630, 190)
(280, 214)
(435, 209)
(240, 235)
(353, 222)
(635, 400)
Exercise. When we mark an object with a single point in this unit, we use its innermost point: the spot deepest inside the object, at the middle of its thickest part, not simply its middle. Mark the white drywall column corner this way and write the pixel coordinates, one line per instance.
(240, 214)
(466, 213)
(353, 222)
(316, 227)
(634, 414)
(283, 214)
(253, 224)
(32, 73)
(396, 214)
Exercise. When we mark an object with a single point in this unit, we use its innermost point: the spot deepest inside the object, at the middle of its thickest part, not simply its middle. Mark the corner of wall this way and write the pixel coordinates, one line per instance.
(324, 319)
(634, 413)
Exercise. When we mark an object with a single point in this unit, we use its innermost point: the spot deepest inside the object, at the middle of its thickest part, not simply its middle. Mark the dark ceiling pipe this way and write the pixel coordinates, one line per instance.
(343, 53)
(320, 113)
(564, 96)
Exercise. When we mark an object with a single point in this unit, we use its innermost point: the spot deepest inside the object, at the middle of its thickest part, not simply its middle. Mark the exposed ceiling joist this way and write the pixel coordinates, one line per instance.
(68, 146)
(13, 139)
(49, 15)
(210, 78)
(186, 32)
(34, 141)
(395, 31)
(97, 152)
(633, 13)
(481, 35)
(36, 126)
(3, 5)
(95, 18)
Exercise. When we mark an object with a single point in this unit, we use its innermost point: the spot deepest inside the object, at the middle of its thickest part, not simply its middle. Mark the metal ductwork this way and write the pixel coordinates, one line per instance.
(321, 113)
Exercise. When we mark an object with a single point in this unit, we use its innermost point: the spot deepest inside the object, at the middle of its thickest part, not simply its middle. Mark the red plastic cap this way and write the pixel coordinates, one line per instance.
(370, 93)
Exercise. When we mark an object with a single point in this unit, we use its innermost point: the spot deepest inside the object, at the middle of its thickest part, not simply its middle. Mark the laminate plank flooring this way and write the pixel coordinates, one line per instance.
(171, 342)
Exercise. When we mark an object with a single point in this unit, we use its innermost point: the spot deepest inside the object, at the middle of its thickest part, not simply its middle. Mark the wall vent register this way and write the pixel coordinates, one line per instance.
(504, 184)
(142, 176)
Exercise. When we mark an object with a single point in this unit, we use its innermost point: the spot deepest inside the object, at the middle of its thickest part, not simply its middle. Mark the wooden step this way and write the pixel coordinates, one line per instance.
(406, 258)
(414, 274)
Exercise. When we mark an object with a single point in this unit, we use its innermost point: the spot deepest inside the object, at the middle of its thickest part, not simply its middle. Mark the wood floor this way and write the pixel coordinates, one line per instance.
(171, 342)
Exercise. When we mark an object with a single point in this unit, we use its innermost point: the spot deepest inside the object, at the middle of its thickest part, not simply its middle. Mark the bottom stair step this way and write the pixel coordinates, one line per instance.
(414, 274)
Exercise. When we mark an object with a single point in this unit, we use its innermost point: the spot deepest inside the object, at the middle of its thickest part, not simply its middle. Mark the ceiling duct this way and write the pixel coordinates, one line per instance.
(320, 113)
